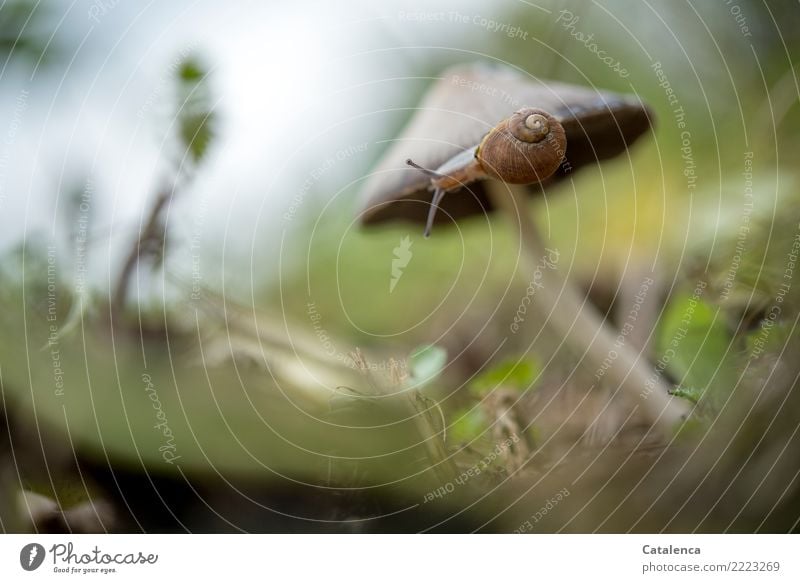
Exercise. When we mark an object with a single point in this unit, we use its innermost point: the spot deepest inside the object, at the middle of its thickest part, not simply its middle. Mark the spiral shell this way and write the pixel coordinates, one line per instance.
(525, 148)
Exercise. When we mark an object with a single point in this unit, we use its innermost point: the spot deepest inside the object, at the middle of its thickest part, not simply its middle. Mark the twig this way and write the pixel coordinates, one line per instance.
(152, 238)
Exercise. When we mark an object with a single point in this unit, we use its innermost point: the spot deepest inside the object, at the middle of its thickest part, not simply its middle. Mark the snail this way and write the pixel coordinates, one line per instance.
(570, 127)
(526, 148)
(453, 119)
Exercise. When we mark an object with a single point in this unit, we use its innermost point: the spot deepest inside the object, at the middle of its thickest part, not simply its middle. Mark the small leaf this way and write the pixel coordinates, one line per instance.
(469, 425)
(191, 71)
(691, 394)
(196, 119)
(426, 363)
(695, 345)
(519, 374)
(196, 133)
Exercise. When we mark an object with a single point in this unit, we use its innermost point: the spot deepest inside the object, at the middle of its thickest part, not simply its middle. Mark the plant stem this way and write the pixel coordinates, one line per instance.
(151, 240)
(442, 463)
(582, 328)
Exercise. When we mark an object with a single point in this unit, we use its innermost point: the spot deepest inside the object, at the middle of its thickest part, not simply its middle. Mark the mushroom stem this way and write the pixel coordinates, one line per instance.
(581, 326)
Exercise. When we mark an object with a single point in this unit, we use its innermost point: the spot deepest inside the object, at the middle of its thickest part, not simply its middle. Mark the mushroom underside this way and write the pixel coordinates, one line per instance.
(413, 204)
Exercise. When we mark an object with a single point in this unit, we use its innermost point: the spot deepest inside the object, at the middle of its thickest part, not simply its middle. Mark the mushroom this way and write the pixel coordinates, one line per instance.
(485, 137)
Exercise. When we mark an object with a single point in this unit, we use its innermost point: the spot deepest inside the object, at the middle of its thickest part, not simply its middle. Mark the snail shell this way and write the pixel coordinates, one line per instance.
(526, 148)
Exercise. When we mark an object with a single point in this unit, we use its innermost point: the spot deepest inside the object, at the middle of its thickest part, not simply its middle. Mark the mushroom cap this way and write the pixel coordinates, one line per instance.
(462, 106)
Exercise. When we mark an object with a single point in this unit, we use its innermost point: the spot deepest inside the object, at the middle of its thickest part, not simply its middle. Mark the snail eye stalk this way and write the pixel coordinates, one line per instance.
(425, 171)
(438, 195)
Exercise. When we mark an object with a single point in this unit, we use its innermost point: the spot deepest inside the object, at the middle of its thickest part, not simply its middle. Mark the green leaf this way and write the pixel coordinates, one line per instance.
(191, 70)
(519, 374)
(426, 363)
(695, 346)
(196, 118)
(468, 425)
(196, 133)
(689, 393)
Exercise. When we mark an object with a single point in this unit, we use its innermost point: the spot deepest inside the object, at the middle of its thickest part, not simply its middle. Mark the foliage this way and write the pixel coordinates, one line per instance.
(472, 422)
(697, 349)
(468, 424)
(196, 117)
(515, 373)
(426, 363)
(21, 31)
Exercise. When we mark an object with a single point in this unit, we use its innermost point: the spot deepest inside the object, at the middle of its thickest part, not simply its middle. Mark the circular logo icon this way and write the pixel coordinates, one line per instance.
(31, 556)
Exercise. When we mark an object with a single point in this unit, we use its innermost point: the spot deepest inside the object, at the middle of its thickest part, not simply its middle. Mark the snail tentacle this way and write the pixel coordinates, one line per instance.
(438, 195)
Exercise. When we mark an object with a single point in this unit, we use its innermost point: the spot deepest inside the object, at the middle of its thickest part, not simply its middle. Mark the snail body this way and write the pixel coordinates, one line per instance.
(525, 148)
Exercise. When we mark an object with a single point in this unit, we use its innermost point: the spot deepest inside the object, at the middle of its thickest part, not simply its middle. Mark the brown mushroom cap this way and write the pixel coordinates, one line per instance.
(467, 102)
